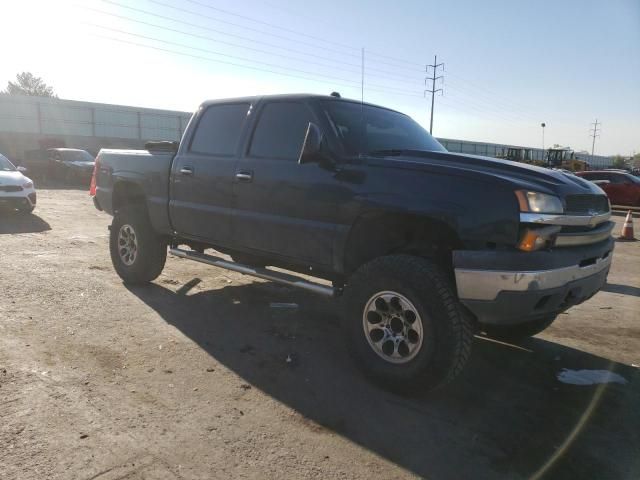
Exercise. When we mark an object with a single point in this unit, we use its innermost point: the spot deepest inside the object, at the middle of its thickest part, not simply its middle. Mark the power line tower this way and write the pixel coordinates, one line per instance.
(594, 132)
(433, 89)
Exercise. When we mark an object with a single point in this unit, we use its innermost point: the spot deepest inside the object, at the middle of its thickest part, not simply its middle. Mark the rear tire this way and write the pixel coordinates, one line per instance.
(406, 328)
(517, 333)
(138, 254)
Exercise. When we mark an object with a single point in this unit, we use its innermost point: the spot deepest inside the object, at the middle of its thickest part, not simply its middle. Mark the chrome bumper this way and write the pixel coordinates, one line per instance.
(488, 284)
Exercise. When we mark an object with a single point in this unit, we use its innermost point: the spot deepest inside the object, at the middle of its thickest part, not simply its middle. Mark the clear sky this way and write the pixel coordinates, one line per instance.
(509, 64)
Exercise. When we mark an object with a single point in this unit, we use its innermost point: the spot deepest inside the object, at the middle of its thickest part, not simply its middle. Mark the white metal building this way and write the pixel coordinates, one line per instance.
(30, 123)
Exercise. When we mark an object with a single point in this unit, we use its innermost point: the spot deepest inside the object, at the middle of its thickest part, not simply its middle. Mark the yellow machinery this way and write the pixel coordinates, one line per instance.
(565, 157)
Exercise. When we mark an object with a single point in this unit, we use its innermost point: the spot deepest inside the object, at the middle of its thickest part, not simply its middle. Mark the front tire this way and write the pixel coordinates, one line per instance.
(406, 328)
(138, 254)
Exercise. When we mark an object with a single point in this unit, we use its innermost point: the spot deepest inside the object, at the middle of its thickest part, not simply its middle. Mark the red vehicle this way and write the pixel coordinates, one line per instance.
(622, 188)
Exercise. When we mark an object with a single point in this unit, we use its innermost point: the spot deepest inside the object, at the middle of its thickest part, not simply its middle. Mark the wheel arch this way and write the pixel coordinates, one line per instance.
(127, 193)
(375, 234)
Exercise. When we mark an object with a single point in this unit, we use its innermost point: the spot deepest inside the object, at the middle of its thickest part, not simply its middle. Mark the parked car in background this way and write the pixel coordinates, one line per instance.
(70, 164)
(17, 192)
(36, 163)
(621, 187)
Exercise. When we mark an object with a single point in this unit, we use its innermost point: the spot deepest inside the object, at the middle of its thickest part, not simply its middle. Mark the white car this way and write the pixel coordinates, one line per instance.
(17, 192)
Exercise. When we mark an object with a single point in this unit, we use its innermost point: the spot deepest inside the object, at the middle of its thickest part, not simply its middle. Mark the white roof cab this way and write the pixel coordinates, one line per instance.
(17, 192)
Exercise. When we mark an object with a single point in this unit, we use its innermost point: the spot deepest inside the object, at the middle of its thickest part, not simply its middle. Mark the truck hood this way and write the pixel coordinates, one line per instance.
(490, 170)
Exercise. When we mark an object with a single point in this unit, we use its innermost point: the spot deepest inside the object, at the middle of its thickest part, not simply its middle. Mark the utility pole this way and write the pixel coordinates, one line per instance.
(362, 79)
(594, 132)
(433, 89)
(543, 124)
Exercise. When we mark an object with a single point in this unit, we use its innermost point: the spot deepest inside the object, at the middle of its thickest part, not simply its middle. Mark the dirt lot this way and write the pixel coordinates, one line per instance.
(188, 378)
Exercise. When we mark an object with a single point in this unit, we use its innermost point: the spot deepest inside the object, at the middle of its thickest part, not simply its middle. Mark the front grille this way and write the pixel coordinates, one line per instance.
(586, 204)
(10, 188)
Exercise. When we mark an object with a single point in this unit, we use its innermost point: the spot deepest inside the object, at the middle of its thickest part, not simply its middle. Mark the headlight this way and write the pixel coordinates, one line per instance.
(536, 202)
(28, 185)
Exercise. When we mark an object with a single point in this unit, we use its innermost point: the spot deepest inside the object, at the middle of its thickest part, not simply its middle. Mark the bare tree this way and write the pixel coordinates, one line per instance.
(28, 84)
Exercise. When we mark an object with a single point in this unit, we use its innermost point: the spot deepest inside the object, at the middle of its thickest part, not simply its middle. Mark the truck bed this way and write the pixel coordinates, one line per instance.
(145, 169)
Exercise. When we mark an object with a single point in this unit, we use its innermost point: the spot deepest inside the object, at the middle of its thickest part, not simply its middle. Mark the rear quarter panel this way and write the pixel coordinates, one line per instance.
(149, 171)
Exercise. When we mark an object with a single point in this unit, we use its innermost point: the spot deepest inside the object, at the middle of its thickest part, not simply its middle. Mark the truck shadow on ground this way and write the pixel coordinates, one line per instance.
(621, 289)
(11, 222)
(507, 416)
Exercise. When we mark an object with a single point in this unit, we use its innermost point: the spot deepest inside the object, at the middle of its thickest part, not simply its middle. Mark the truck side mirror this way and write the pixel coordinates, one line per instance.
(310, 151)
(21, 169)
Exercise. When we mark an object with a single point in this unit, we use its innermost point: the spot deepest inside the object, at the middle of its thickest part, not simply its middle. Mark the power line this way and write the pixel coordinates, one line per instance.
(397, 60)
(491, 102)
(470, 99)
(262, 22)
(356, 67)
(469, 107)
(215, 60)
(213, 52)
(498, 98)
(594, 132)
(241, 37)
(221, 32)
(250, 67)
(383, 74)
(263, 32)
(224, 42)
(433, 85)
(354, 55)
(244, 59)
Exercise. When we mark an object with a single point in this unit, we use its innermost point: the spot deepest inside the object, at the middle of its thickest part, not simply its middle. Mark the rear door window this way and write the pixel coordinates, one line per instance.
(280, 131)
(219, 129)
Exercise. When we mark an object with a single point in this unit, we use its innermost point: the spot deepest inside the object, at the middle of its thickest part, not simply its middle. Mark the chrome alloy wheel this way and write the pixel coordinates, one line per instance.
(393, 327)
(127, 245)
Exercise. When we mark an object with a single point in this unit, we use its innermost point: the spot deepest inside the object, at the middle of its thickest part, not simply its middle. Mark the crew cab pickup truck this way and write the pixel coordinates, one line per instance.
(423, 247)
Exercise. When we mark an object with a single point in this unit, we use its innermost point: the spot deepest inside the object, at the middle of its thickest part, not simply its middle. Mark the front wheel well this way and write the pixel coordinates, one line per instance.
(376, 235)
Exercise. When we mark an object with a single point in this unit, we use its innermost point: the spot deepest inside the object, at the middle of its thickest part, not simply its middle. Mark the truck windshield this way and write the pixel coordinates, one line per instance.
(365, 129)
(5, 164)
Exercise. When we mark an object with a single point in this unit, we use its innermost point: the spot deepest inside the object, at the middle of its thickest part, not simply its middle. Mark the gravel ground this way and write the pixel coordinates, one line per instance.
(198, 376)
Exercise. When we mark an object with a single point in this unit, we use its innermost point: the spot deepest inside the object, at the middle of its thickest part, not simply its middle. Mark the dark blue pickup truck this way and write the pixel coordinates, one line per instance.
(423, 246)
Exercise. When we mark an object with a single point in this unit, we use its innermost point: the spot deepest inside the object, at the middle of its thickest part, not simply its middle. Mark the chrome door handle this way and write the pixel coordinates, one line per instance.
(186, 171)
(244, 176)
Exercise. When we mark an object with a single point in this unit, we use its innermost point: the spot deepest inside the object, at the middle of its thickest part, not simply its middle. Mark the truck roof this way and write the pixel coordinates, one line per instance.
(290, 96)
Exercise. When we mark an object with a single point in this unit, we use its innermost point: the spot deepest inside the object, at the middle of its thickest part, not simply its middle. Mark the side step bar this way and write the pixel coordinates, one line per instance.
(259, 272)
